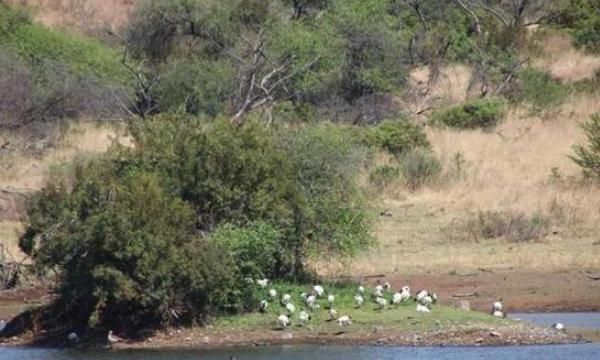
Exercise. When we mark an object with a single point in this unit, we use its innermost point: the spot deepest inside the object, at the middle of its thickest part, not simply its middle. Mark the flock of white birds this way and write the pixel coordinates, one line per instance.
(381, 296)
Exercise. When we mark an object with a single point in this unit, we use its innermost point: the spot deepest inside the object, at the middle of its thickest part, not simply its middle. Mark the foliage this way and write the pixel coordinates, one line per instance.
(419, 166)
(383, 175)
(123, 232)
(539, 89)
(125, 246)
(480, 113)
(397, 137)
(582, 19)
(587, 156)
(257, 248)
(196, 86)
(37, 44)
(514, 227)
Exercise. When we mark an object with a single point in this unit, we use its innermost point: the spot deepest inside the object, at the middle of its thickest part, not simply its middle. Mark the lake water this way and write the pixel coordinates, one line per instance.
(570, 320)
(580, 352)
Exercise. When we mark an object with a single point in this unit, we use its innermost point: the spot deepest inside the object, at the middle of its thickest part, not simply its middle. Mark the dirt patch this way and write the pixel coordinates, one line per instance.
(520, 291)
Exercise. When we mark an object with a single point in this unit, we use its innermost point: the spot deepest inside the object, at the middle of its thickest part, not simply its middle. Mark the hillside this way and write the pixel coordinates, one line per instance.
(293, 152)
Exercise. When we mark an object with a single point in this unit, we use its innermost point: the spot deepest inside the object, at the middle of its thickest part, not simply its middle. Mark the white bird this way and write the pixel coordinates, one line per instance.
(304, 296)
(361, 290)
(421, 294)
(558, 326)
(405, 293)
(378, 291)
(381, 302)
(332, 313)
(286, 299)
(434, 298)
(426, 301)
(311, 300)
(330, 299)
(397, 298)
(263, 306)
(359, 300)
(498, 314)
(73, 337)
(273, 293)
(303, 317)
(290, 308)
(113, 338)
(319, 290)
(283, 321)
(249, 280)
(387, 286)
(497, 309)
(497, 306)
(422, 309)
(263, 283)
(344, 320)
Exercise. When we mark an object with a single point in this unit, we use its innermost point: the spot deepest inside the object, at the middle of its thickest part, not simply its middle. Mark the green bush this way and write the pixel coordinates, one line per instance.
(384, 175)
(539, 89)
(587, 156)
(196, 86)
(396, 137)
(582, 19)
(124, 233)
(480, 113)
(256, 248)
(126, 249)
(419, 167)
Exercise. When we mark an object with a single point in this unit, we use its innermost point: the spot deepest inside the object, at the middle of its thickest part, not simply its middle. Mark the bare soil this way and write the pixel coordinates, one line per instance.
(520, 291)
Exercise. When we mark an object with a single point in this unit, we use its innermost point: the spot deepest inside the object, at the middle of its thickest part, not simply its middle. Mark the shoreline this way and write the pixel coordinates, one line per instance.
(520, 334)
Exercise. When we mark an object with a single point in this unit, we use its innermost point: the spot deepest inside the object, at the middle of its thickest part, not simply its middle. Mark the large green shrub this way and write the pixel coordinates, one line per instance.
(480, 113)
(123, 233)
(257, 248)
(587, 155)
(396, 137)
(539, 89)
(582, 19)
(125, 248)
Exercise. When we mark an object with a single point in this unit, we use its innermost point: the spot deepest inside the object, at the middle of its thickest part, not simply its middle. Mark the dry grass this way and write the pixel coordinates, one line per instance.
(562, 60)
(27, 173)
(85, 15)
(9, 240)
(22, 171)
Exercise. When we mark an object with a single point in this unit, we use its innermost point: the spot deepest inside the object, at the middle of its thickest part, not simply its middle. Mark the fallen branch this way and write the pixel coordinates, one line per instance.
(591, 276)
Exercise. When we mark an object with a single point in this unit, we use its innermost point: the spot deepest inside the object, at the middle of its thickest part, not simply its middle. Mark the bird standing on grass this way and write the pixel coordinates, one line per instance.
(423, 309)
(359, 300)
(381, 302)
(497, 309)
(283, 321)
(344, 320)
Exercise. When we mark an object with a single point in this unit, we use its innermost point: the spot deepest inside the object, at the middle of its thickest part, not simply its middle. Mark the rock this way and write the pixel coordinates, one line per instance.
(494, 334)
(188, 339)
(378, 329)
(479, 340)
(205, 340)
(287, 336)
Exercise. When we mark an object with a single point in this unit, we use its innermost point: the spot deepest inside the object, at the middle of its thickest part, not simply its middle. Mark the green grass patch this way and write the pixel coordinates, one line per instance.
(37, 44)
(403, 317)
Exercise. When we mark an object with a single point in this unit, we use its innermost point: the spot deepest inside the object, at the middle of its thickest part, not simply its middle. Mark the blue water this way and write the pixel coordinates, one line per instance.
(579, 352)
(570, 320)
